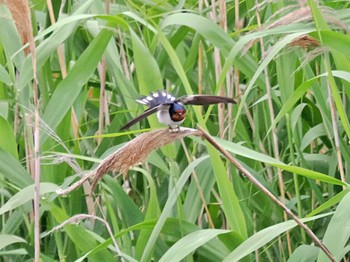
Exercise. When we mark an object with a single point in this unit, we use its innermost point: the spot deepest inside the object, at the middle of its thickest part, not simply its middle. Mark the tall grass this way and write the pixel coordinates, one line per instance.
(287, 65)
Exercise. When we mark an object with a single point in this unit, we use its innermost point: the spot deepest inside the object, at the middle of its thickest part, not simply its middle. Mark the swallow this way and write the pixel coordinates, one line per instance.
(171, 110)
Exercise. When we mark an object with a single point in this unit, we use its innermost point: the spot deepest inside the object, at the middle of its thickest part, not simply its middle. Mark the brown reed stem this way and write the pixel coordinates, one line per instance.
(252, 179)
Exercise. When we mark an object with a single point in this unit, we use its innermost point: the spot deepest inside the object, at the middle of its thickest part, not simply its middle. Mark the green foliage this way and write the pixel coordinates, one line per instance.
(185, 202)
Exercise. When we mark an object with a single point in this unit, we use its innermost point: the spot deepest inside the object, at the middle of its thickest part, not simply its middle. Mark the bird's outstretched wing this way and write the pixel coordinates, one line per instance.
(145, 114)
(156, 98)
(204, 100)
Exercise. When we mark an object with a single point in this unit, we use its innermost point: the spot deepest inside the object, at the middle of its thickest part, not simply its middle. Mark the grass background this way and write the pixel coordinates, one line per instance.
(286, 63)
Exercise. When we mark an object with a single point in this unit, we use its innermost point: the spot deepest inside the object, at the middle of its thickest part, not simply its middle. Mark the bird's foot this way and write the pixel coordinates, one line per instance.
(174, 129)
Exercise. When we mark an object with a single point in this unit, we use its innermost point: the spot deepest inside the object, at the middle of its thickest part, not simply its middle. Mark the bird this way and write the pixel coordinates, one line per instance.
(170, 109)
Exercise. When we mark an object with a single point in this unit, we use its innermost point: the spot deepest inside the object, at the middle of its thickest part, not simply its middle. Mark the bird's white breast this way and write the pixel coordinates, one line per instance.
(164, 117)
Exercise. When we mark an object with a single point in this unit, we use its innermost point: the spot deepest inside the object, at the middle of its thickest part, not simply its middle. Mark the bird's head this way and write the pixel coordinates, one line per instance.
(177, 112)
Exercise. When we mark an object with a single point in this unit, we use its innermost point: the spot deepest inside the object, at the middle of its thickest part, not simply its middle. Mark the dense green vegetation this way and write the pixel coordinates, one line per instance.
(286, 63)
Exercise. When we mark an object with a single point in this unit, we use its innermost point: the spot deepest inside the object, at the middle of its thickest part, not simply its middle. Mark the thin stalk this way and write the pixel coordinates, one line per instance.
(274, 129)
(35, 159)
(238, 26)
(236, 77)
(107, 120)
(36, 182)
(200, 70)
(221, 107)
(336, 106)
(103, 103)
(102, 111)
(217, 61)
(230, 93)
(105, 100)
(336, 134)
(295, 177)
(28, 142)
(16, 119)
(124, 59)
(200, 58)
(60, 48)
